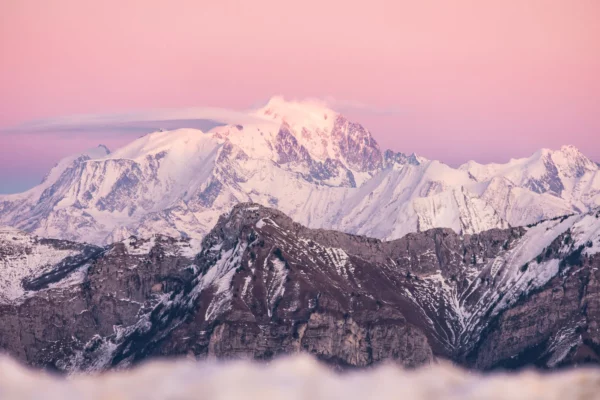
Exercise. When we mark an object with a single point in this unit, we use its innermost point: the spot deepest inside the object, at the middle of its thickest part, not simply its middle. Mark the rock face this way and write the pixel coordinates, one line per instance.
(263, 285)
(60, 325)
(555, 326)
(267, 286)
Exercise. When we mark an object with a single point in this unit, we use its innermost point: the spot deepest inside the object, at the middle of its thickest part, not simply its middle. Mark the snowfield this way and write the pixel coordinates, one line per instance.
(296, 377)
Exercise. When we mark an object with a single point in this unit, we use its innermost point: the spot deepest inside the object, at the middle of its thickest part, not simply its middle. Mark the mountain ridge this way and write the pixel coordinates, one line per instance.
(264, 285)
(307, 160)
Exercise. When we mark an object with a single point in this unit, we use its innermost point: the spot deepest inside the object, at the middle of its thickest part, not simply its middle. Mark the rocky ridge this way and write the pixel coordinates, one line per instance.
(264, 285)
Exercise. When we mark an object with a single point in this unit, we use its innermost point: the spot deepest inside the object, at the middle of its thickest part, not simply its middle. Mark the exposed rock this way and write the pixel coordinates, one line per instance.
(57, 323)
(264, 285)
(555, 326)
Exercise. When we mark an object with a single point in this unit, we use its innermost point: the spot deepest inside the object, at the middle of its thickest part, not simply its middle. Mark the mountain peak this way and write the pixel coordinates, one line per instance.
(309, 112)
(310, 129)
(572, 162)
(569, 148)
(280, 102)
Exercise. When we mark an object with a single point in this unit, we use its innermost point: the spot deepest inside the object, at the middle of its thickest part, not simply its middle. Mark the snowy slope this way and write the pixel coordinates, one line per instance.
(306, 160)
(92, 197)
(24, 256)
(547, 182)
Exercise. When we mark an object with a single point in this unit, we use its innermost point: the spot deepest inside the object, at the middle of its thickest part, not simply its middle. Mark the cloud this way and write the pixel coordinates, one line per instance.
(203, 118)
(349, 105)
(296, 377)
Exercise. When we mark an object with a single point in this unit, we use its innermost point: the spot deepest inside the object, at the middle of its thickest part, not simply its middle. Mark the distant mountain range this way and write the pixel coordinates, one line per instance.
(305, 160)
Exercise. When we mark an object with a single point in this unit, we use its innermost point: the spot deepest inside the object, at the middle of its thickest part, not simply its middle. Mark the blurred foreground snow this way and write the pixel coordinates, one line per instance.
(297, 377)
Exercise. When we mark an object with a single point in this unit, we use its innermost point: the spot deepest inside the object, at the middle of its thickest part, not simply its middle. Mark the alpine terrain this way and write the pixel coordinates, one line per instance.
(304, 159)
(264, 285)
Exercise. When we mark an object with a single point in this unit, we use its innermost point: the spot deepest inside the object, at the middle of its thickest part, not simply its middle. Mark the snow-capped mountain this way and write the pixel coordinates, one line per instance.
(304, 159)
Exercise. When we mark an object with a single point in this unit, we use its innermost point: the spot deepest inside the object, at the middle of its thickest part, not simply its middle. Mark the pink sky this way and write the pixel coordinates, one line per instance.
(470, 79)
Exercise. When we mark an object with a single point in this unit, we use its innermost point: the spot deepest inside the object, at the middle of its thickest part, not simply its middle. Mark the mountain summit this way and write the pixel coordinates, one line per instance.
(308, 161)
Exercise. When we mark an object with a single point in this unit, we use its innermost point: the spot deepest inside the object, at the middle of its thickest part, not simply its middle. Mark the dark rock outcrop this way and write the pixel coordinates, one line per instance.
(58, 327)
(552, 327)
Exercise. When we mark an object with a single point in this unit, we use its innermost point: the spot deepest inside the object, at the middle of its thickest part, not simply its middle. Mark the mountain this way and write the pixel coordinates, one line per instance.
(304, 159)
(62, 296)
(264, 285)
(27, 262)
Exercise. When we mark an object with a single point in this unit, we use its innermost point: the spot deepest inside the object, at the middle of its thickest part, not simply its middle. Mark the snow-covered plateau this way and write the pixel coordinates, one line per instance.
(304, 159)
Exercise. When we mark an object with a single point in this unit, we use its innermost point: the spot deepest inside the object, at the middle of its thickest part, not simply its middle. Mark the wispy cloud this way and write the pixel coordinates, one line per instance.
(194, 117)
(349, 106)
(204, 118)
